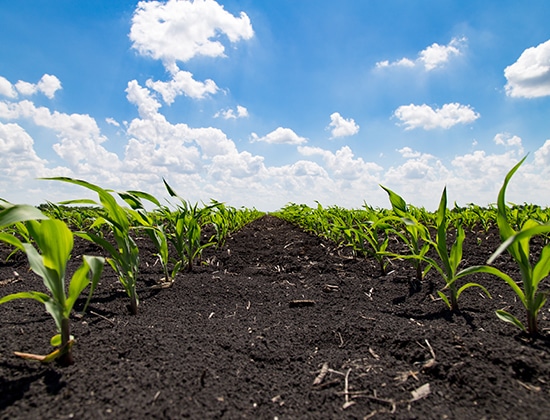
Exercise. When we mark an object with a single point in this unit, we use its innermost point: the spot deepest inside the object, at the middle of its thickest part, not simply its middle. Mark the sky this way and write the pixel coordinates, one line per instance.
(263, 103)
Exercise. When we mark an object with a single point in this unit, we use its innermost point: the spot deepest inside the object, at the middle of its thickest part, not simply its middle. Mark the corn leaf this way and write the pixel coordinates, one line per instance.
(38, 296)
(11, 240)
(169, 189)
(508, 317)
(20, 213)
(55, 241)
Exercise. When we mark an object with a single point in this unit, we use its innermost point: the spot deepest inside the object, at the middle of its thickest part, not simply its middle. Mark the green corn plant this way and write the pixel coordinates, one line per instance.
(55, 242)
(370, 237)
(449, 260)
(517, 245)
(185, 229)
(124, 256)
(415, 236)
(224, 219)
(155, 230)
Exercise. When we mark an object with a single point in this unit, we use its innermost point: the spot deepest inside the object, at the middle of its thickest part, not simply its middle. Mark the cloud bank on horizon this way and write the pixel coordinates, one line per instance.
(221, 110)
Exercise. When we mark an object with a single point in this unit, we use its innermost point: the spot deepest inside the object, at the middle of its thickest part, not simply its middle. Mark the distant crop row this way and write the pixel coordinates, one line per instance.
(43, 234)
(368, 232)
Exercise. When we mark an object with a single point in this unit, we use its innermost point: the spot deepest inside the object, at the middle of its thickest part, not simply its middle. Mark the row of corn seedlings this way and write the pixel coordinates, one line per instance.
(368, 231)
(44, 234)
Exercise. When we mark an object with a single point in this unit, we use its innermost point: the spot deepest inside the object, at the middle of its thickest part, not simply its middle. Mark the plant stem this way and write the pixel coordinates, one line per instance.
(66, 358)
(532, 326)
(133, 304)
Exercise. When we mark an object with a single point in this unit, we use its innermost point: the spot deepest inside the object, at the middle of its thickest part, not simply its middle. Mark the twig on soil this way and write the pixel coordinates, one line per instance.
(102, 317)
(319, 378)
(530, 387)
(341, 339)
(301, 303)
(371, 351)
(348, 403)
(430, 362)
(392, 403)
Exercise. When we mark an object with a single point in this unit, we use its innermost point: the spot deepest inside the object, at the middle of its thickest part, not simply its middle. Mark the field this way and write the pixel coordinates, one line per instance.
(114, 310)
(250, 332)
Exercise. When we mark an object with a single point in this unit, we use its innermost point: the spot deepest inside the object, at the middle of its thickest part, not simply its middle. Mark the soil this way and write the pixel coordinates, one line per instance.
(249, 333)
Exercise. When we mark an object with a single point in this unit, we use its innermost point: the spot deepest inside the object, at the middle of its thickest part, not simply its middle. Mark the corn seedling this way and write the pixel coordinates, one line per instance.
(184, 229)
(154, 229)
(368, 237)
(124, 257)
(55, 242)
(450, 261)
(415, 235)
(517, 245)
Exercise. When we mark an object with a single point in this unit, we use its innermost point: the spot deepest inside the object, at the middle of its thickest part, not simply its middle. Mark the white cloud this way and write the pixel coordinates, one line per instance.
(227, 114)
(112, 121)
(182, 83)
(404, 62)
(342, 164)
(342, 127)
(6, 88)
(176, 30)
(280, 136)
(438, 55)
(431, 58)
(47, 85)
(79, 135)
(180, 30)
(18, 158)
(147, 105)
(542, 157)
(26, 88)
(424, 116)
(529, 76)
(478, 176)
(418, 166)
(509, 141)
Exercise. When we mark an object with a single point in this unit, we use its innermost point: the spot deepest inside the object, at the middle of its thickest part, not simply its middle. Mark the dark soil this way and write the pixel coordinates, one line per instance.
(247, 333)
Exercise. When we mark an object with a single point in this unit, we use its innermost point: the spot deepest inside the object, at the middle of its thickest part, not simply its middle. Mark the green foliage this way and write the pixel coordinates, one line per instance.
(517, 245)
(184, 227)
(124, 257)
(413, 233)
(450, 260)
(55, 242)
(153, 226)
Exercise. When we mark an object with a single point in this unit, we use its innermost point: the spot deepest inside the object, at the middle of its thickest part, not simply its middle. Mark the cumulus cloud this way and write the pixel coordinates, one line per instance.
(279, 136)
(341, 127)
(418, 166)
(180, 30)
(228, 114)
(18, 158)
(542, 156)
(176, 31)
(6, 88)
(182, 83)
(529, 76)
(79, 135)
(342, 163)
(484, 168)
(432, 57)
(47, 85)
(509, 141)
(424, 116)
(147, 105)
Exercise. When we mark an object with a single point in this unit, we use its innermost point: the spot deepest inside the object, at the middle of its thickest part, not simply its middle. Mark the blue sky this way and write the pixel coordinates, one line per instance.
(262, 103)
